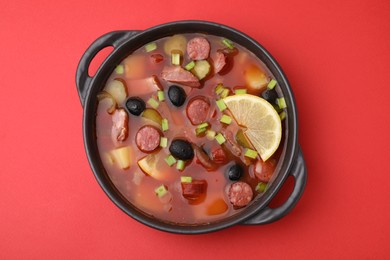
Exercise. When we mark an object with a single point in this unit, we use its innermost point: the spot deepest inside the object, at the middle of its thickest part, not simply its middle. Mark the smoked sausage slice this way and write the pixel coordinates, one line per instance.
(198, 110)
(198, 48)
(240, 194)
(147, 138)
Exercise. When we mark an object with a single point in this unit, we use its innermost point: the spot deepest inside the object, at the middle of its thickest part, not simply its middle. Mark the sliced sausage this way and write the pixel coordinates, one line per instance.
(179, 75)
(194, 189)
(240, 194)
(198, 110)
(198, 48)
(231, 144)
(224, 60)
(264, 170)
(219, 61)
(148, 138)
(203, 159)
(119, 130)
(218, 155)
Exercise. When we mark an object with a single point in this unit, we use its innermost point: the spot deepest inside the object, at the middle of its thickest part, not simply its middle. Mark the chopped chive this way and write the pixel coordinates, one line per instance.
(281, 102)
(261, 187)
(160, 95)
(219, 88)
(203, 125)
(220, 138)
(225, 93)
(163, 142)
(186, 179)
(119, 69)
(160, 191)
(164, 124)
(250, 153)
(271, 84)
(199, 131)
(150, 47)
(170, 160)
(153, 103)
(228, 43)
(180, 165)
(221, 105)
(282, 115)
(240, 91)
(190, 65)
(210, 134)
(175, 58)
(226, 119)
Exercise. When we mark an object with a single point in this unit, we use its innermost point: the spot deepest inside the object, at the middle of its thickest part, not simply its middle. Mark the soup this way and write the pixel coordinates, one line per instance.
(190, 128)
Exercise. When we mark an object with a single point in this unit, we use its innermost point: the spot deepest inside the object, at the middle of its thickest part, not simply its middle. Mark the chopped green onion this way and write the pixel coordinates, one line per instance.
(199, 131)
(203, 125)
(190, 65)
(226, 119)
(282, 115)
(221, 105)
(240, 91)
(163, 142)
(160, 191)
(153, 103)
(180, 165)
(261, 187)
(164, 124)
(225, 93)
(170, 160)
(220, 138)
(210, 134)
(119, 69)
(175, 58)
(160, 95)
(250, 153)
(150, 47)
(281, 102)
(186, 179)
(271, 84)
(219, 88)
(228, 43)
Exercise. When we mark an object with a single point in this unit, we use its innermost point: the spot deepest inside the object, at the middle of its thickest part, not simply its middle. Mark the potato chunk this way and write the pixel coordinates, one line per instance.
(256, 79)
(122, 157)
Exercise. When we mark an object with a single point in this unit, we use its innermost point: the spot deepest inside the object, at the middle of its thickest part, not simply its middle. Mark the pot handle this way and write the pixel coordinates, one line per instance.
(268, 215)
(114, 39)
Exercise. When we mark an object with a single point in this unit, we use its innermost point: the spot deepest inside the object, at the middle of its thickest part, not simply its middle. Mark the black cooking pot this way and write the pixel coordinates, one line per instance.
(291, 162)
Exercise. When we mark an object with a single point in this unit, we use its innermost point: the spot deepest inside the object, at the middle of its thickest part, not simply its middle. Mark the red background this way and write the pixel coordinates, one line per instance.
(336, 55)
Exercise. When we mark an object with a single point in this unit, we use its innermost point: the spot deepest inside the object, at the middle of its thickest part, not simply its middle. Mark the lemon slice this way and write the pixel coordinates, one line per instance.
(261, 122)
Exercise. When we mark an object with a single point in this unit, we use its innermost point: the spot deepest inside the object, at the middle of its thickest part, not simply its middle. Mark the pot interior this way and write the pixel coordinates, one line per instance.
(129, 46)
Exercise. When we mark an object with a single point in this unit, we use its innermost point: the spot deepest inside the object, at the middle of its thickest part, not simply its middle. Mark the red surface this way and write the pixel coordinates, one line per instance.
(336, 55)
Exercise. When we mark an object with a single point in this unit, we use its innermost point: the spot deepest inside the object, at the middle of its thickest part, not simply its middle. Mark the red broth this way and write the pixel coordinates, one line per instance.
(140, 73)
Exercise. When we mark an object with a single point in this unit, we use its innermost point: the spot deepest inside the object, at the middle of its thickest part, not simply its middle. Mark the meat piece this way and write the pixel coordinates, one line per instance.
(240, 194)
(203, 159)
(231, 144)
(148, 138)
(223, 60)
(198, 48)
(194, 189)
(198, 110)
(179, 75)
(219, 61)
(218, 155)
(264, 170)
(119, 130)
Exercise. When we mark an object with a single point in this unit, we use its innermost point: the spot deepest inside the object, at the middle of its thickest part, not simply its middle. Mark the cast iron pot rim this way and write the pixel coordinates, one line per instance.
(91, 145)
